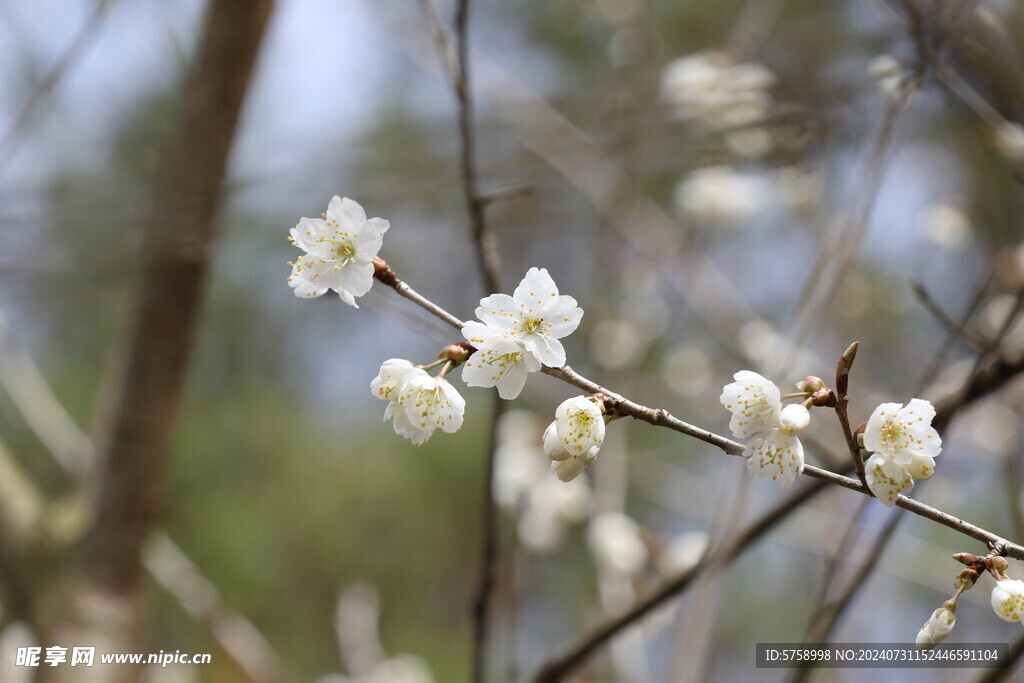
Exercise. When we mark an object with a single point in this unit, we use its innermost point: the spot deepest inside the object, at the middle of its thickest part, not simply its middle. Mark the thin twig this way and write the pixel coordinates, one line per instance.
(29, 114)
(842, 402)
(984, 384)
(555, 669)
(952, 327)
(202, 600)
(939, 359)
(456, 64)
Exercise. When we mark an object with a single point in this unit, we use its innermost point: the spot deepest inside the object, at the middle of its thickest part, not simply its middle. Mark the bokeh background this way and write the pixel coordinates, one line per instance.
(721, 185)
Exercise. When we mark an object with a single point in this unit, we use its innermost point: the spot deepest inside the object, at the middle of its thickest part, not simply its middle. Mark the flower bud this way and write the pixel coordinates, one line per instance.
(457, 353)
(811, 384)
(997, 563)
(938, 626)
(966, 579)
(966, 558)
(794, 419)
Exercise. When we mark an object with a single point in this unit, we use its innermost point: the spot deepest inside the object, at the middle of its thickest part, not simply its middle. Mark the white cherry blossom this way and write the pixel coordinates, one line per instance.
(418, 404)
(1008, 600)
(887, 478)
(339, 250)
(775, 454)
(755, 404)
(905, 435)
(579, 423)
(501, 360)
(535, 315)
(392, 375)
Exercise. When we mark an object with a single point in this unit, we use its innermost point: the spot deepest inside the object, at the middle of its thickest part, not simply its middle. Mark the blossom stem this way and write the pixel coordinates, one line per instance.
(799, 394)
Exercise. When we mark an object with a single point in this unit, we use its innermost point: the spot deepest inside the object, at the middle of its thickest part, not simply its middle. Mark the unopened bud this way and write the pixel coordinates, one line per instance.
(457, 353)
(382, 271)
(967, 558)
(966, 579)
(935, 630)
(811, 384)
(997, 563)
(824, 398)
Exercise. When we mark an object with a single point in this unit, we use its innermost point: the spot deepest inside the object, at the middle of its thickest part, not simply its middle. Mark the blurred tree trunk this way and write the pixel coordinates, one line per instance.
(96, 600)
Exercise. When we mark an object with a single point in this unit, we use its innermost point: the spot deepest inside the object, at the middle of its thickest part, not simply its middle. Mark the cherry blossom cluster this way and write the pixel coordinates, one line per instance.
(773, 449)
(1007, 597)
(904, 446)
(512, 337)
(418, 403)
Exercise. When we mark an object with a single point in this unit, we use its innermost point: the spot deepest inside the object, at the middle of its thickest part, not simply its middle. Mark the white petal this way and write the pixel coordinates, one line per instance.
(776, 455)
(880, 417)
(347, 212)
(887, 478)
(477, 333)
(554, 448)
(755, 403)
(498, 311)
(1008, 600)
(536, 288)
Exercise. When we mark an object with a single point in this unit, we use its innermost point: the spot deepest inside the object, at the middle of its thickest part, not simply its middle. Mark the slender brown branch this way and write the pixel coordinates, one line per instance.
(842, 402)
(457, 66)
(979, 386)
(986, 383)
(939, 359)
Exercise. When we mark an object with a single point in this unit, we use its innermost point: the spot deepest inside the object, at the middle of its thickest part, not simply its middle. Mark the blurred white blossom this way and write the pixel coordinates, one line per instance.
(683, 552)
(720, 195)
(889, 74)
(715, 94)
(616, 543)
(1008, 138)
(946, 225)
(551, 506)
